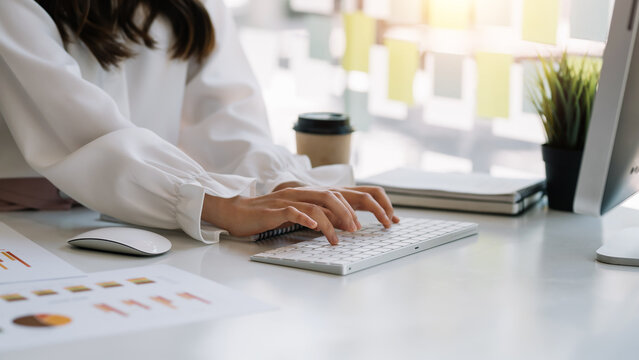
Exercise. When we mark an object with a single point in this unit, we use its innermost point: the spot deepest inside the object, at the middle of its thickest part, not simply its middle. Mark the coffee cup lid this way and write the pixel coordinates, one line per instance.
(324, 123)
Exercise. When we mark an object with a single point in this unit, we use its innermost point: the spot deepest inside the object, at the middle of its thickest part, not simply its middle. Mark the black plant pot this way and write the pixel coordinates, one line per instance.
(562, 171)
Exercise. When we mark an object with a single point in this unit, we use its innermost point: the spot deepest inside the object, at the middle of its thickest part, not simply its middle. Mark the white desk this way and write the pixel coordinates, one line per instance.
(526, 288)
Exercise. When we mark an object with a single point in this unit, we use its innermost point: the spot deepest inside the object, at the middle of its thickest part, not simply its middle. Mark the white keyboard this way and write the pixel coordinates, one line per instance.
(370, 246)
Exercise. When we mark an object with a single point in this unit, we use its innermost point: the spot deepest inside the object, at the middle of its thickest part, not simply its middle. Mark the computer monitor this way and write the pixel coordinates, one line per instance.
(609, 172)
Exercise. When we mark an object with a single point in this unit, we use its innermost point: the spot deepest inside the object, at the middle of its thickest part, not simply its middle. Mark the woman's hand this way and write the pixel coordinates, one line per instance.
(321, 209)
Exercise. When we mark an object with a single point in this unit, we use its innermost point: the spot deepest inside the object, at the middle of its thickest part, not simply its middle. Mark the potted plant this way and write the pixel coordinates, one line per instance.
(563, 93)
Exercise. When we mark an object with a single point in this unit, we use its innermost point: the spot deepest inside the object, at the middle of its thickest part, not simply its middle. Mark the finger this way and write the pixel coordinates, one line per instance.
(365, 201)
(395, 219)
(340, 212)
(324, 225)
(332, 218)
(308, 208)
(291, 214)
(326, 199)
(349, 207)
(380, 196)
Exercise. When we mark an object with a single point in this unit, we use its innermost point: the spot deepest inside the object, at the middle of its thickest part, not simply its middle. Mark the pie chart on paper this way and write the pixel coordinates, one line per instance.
(42, 320)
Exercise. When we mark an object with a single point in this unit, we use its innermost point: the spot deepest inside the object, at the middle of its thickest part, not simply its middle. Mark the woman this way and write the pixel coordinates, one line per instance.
(147, 111)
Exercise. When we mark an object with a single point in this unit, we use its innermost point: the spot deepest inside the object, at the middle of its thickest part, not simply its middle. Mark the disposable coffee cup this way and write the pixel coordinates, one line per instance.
(324, 137)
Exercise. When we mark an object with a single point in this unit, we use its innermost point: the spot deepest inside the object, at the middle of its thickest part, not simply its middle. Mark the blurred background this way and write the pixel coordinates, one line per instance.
(439, 85)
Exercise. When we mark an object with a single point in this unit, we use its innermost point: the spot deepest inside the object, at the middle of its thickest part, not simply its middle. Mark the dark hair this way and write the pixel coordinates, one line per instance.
(105, 25)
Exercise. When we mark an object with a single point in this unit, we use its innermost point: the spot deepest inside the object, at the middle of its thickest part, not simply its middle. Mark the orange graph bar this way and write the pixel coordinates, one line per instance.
(17, 258)
(136, 303)
(8, 256)
(12, 297)
(77, 288)
(164, 301)
(189, 296)
(141, 281)
(106, 308)
(2, 266)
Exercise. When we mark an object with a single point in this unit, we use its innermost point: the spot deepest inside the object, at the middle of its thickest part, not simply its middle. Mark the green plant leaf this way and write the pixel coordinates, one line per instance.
(562, 92)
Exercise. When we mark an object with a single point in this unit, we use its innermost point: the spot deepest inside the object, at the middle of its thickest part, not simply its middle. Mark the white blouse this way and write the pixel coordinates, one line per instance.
(146, 141)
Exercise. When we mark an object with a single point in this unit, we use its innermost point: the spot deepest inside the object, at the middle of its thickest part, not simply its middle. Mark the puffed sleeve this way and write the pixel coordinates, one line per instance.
(73, 133)
(224, 122)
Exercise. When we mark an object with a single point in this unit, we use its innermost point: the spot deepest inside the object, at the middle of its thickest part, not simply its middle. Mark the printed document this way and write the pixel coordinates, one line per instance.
(23, 260)
(112, 302)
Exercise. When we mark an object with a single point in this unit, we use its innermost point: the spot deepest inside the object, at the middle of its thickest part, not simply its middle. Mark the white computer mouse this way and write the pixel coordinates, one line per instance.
(123, 240)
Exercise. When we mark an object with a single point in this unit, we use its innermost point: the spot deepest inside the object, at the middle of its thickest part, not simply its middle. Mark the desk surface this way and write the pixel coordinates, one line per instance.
(526, 288)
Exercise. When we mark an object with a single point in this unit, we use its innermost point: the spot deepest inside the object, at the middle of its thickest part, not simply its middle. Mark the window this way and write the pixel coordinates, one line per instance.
(434, 84)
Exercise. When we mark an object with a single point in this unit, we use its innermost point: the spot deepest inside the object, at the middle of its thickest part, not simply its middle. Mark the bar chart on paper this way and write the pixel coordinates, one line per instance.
(110, 302)
(23, 260)
(8, 258)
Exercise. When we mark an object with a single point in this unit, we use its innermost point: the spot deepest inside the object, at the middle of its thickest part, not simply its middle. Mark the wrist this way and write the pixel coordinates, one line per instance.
(215, 208)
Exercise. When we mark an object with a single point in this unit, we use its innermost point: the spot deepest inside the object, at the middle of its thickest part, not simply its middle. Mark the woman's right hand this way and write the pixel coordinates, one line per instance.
(319, 209)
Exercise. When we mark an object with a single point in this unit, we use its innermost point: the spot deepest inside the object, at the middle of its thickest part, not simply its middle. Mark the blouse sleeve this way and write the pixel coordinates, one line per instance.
(224, 122)
(73, 133)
